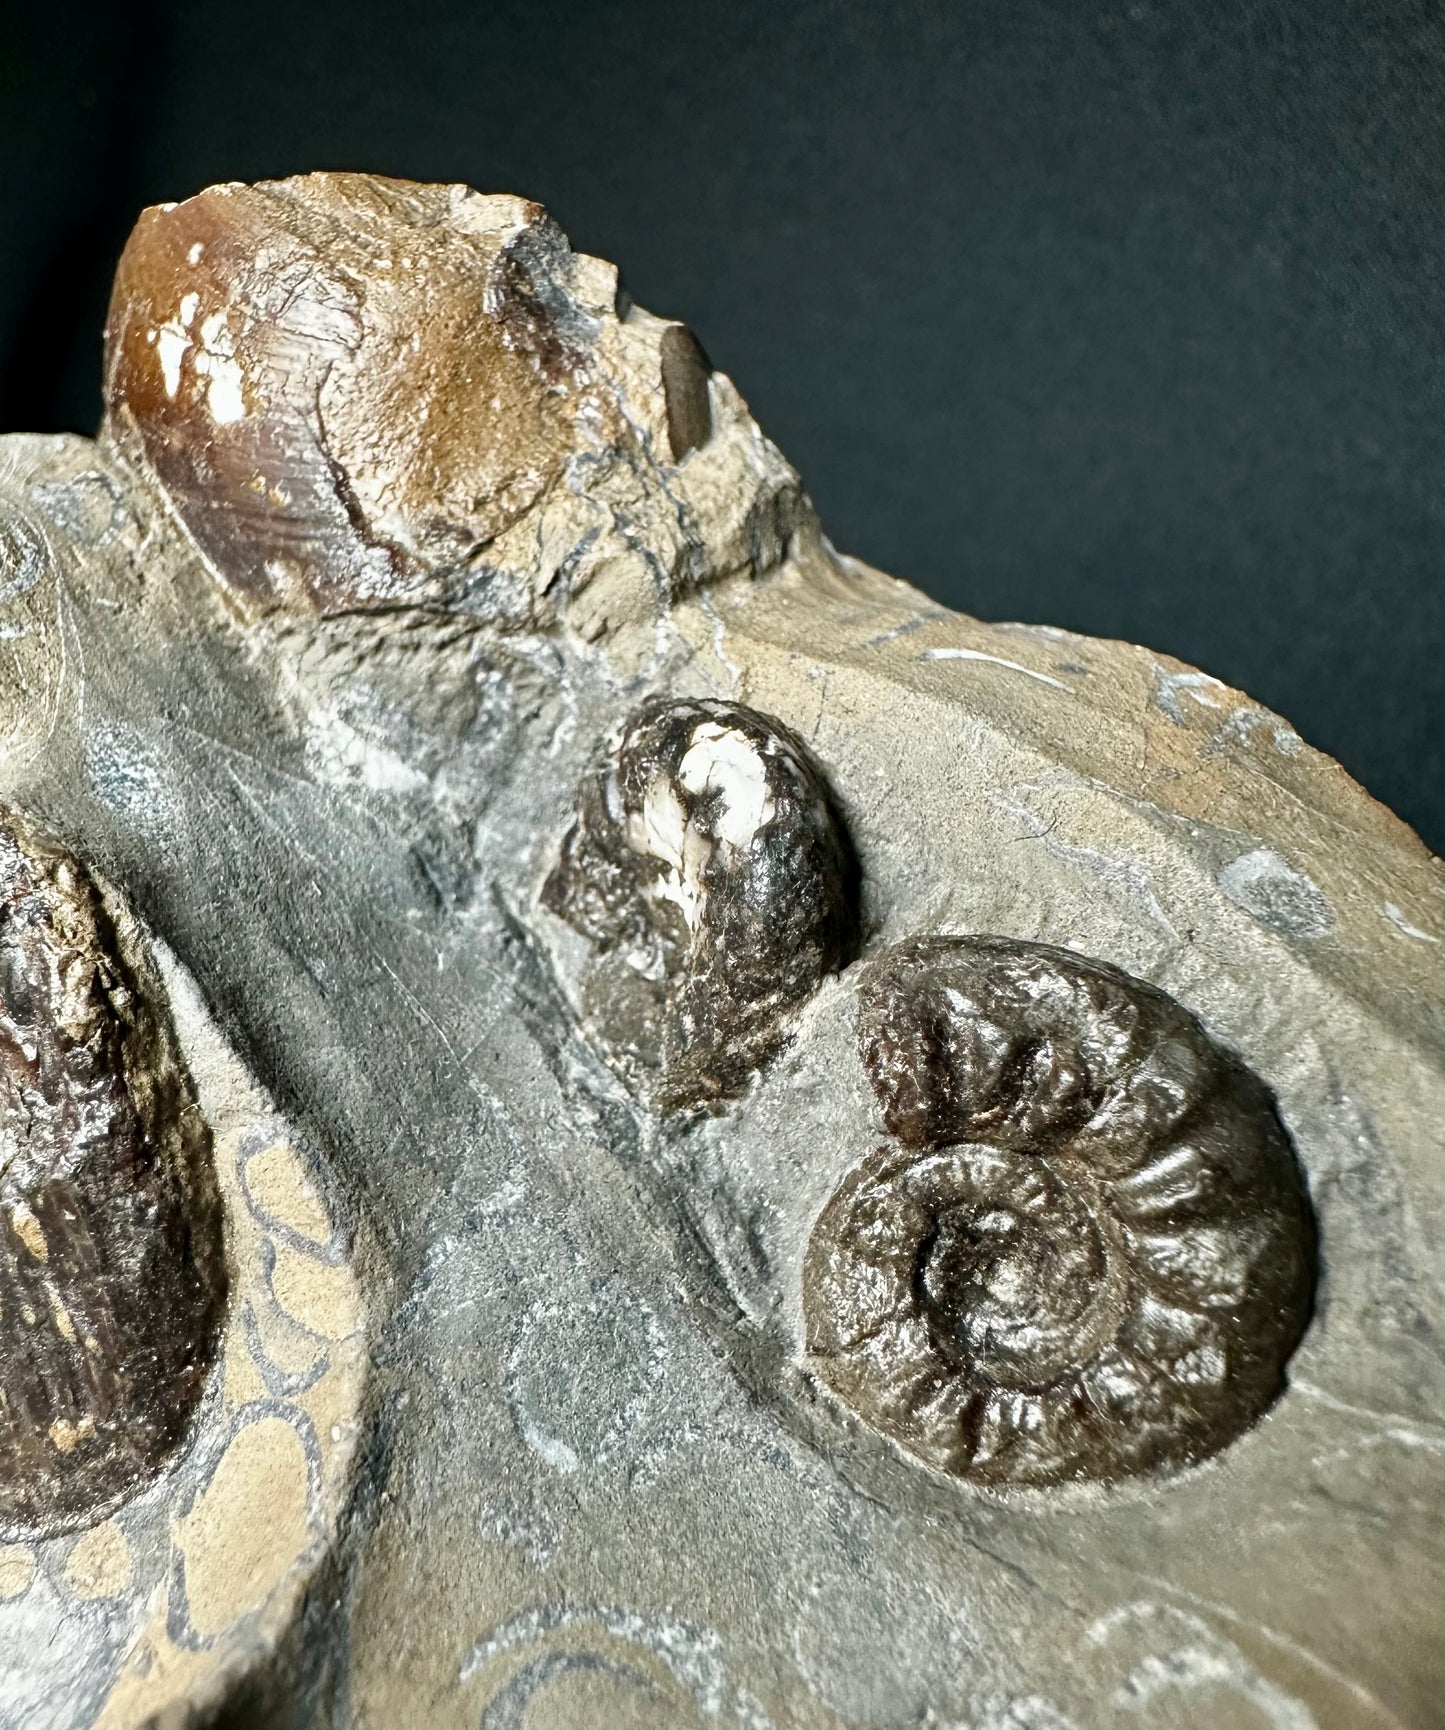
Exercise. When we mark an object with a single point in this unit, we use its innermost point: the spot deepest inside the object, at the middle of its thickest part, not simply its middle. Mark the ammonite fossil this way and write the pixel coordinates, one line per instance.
(112, 1266)
(1089, 1254)
(709, 863)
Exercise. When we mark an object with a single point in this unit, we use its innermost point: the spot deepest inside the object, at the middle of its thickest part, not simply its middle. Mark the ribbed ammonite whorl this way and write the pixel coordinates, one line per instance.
(709, 861)
(1091, 1253)
(112, 1267)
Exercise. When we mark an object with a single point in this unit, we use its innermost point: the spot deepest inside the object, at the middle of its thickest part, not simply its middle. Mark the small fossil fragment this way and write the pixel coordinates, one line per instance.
(112, 1266)
(1093, 1253)
(24, 556)
(709, 866)
(685, 372)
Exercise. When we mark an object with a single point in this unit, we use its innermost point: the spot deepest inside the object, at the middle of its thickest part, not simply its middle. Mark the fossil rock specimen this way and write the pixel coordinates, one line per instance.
(112, 1268)
(707, 858)
(1094, 1254)
(360, 392)
(238, 323)
(548, 1387)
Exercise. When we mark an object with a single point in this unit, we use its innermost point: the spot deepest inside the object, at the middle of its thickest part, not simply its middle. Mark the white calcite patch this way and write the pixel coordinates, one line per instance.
(1404, 927)
(994, 660)
(216, 363)
(724, 760)
(1198, 687)
(172, 341)
(344, 754)
(215, 359)
(720, 760)
(661, 831)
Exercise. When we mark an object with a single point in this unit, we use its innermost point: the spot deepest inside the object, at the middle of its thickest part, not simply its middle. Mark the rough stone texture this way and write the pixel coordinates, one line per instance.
(360, 392)
(581, 1469)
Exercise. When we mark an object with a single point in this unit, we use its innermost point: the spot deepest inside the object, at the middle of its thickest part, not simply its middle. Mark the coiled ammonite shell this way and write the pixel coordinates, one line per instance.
(112, 1268)
(709, 860)
(1090, 1253)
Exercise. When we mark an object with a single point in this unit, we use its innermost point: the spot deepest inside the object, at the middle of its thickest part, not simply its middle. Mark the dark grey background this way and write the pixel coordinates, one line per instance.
(1123, 317)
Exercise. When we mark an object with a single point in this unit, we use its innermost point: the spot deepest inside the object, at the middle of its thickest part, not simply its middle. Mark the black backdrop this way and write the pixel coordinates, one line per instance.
(1120, 316)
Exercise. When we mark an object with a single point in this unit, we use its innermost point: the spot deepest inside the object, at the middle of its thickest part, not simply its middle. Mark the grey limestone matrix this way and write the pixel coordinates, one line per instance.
(610, 1120)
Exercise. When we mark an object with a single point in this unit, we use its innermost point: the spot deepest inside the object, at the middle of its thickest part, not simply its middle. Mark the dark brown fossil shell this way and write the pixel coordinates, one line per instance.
(112, 1267)
(1093, 1253)
(711, 869)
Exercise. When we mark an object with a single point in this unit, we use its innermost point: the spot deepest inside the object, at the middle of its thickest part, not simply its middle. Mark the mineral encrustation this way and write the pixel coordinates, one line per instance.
(608, 1117)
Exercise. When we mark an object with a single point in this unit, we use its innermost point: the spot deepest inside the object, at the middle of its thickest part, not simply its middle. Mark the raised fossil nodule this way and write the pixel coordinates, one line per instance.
(1089, 1255)
(112, 1264)
(710, 869)
(353, 389)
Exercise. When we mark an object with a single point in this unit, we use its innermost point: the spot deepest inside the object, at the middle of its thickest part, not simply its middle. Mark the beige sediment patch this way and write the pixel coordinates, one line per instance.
(100, 1564)
(233, 1555)
(27, 1228)
(17, 1570)
(65, 1435)
(244, 1381)
(320, 1295)
(292, 1350)
(277, 1182)
(154, 1670)
(247, 1546)
(331, 1406)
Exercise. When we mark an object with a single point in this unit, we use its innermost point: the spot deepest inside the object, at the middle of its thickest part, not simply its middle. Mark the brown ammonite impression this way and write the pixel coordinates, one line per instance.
(1088, 1254)
(112, 1264)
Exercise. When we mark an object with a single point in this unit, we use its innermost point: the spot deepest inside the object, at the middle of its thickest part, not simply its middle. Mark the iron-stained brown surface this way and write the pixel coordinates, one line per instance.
(711, 869)
(112, 1273)
(685, 372)
(348, 385)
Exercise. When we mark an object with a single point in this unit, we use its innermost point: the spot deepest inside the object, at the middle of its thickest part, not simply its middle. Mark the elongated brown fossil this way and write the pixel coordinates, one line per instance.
(112, 1267)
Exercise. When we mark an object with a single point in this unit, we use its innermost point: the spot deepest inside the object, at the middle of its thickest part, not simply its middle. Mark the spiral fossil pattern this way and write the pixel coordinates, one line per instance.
(1088, 1253)
(112, 1264)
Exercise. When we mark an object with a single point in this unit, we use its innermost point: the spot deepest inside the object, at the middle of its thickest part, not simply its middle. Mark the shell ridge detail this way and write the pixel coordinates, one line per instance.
(1089, 1251)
